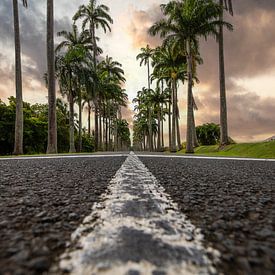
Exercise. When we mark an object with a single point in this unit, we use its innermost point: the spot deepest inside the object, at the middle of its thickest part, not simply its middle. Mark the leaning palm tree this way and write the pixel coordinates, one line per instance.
(52, 124)
(185, 22)
(18, 139)
(94, 17)
(223, 105)
(145, 57)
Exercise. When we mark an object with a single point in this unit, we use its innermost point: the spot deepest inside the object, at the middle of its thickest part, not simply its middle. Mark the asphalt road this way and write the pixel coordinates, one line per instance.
(232, 201)
(42, 201)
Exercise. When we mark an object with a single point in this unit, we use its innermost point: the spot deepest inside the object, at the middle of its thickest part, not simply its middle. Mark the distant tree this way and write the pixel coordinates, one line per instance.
(185, 23)
(94, 17)
(208, 134)
(36, 125)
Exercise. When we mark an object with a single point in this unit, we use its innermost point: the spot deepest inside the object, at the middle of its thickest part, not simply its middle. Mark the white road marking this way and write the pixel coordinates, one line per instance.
(202, 157)
(64, 157)
(136, 229)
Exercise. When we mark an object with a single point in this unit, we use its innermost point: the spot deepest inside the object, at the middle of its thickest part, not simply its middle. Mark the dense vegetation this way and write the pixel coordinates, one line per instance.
(173, 63)
(82, 80)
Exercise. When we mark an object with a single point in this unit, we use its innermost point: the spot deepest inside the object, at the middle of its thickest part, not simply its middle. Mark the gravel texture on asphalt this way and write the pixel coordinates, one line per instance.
(232, 201)
(42, 202)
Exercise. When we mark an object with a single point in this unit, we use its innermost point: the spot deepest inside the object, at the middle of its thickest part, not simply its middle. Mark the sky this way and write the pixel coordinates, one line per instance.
(249, 57)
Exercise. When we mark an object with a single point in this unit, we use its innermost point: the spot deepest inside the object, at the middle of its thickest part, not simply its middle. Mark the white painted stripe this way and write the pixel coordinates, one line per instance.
(136, 229)
(64, 157)
(202, 157)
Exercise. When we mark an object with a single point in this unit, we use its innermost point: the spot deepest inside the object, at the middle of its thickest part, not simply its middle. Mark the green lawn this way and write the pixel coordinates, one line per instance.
(249, 150)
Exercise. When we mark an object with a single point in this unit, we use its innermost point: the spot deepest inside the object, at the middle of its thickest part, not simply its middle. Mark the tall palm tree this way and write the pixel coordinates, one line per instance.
(170, 64)
(66, 81)
(158, 98)
(94, 17)
(18, 138)
(145, 57)
(112, 74)
(185, 22)
(223, 105)
(52, 124)
(78, 45)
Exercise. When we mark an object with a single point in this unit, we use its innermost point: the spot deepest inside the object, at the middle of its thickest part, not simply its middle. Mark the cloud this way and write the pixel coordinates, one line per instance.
(249, 53)
(141, 21)
(128, 114)
(33, 42)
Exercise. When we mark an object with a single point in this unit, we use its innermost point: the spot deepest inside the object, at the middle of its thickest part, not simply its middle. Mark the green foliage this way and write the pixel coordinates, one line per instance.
(36, 128)
(123, 132)
(88, 143)
(208, 134)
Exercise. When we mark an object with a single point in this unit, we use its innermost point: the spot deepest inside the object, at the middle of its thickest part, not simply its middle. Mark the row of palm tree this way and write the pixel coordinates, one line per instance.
(184, 23)
(94, 85)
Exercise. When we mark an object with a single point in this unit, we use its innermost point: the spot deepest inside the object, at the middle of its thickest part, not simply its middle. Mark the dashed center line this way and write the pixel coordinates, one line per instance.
(137, 229)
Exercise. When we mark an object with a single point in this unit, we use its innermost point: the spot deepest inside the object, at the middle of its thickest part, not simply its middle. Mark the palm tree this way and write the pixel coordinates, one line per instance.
(94, 16)
(170, 64)
(66, 82)
(18, 138)
(158, 98)
(52, 124)
(78, 45)
(223, 105)
(112, 75)
(145, 57)
(185, 22)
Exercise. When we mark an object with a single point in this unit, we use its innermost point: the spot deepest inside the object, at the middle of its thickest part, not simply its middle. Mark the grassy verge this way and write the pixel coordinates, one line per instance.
(249, 150)
(46, 155)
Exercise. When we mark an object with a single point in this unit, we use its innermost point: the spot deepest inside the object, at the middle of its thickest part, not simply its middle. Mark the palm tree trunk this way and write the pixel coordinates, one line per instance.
(96, 124)
(150, 129)
(150, 111)
(71, 104)
(52, 124)
(195, 138)
(159, 130)
(223, 104)
(162, 128)
(92, 31)
(106, 130)
(169, 124)
(89, 118)
(177, 122)
(189, 134)
(110, 123)
(80, 123)
(162, 119)
(174, 115)
(100, 130)
(115, 134)
(18, 139)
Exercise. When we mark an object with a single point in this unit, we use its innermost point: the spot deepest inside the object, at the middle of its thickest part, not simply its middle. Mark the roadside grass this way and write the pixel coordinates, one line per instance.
(46, 155)
(248, 150)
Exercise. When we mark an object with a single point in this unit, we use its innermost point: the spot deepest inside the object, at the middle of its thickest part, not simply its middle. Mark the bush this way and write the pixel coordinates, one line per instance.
(208, 134)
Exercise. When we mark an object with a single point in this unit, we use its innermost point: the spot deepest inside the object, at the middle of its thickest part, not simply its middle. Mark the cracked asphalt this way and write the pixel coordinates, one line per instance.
(42, 201)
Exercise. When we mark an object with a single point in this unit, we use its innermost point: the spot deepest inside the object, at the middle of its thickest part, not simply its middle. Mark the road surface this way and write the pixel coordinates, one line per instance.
(136, 214)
